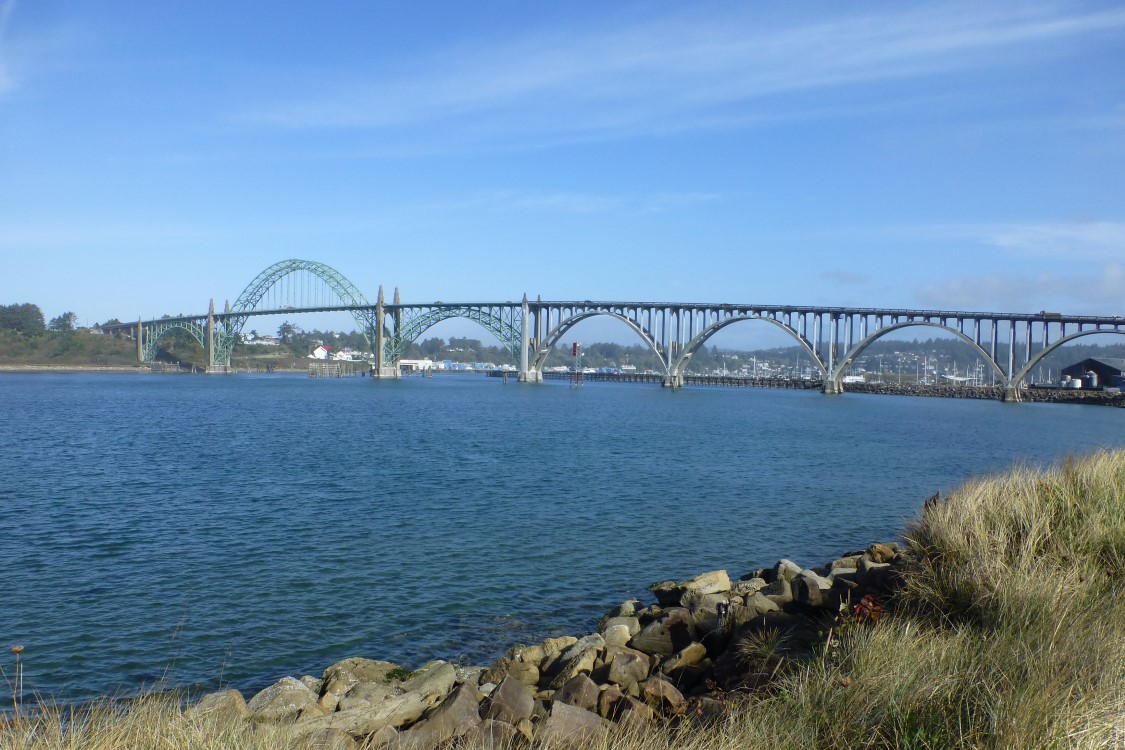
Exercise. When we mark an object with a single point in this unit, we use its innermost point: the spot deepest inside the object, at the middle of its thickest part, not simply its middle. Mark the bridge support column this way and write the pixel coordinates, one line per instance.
(209, 338)
(526, 375)
(140, 341)
(378, 370)
(675, 380)
(832, 388)
(1011, 394)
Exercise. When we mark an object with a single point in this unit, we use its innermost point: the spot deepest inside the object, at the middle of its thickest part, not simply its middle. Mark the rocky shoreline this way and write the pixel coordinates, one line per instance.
(671, 659)
(1038, 395)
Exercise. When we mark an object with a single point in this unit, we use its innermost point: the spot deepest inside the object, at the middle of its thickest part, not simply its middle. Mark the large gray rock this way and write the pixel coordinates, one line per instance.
(345, 674)
(667, 635)
(634, 716)
(608, 702)
(624, 666)
(812, 590)
(759, 604)
(362, 695)
(395, 712)
(457, 716)
(779, 591)
(511, 701)
(312, 711)
(617, 635)
(579, 691)
(632, 624)
(850, 561)
(662, 695)
(580, 658)
(330, 739)
(525, 672)
(689, 656)
(493, 734)
(281, 701)
(674, 593)
(387, 737)
(572, 727)
(882, 553)
(625, 609)
(433, 681)
(226, 707)
(544, 654)
(748, 586)
(786, 570)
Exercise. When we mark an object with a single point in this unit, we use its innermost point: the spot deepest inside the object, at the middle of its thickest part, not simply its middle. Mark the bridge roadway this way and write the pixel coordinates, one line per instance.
(1012, 344)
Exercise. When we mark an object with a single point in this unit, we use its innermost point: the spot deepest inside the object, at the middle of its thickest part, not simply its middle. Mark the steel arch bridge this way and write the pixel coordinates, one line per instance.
(1011, 344)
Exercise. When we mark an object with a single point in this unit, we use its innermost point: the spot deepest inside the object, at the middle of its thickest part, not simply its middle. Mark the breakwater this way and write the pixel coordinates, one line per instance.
(1038, 395)
(726, 381)
(993, 393)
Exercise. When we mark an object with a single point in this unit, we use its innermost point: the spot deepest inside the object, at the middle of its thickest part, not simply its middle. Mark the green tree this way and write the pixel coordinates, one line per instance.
(25, 318)
(65, 323)
(285, 331)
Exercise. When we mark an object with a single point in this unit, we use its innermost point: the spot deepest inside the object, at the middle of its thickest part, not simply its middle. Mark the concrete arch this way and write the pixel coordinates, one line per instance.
(1037, 358)
(696, 343)
(545, 347)
(836, 378)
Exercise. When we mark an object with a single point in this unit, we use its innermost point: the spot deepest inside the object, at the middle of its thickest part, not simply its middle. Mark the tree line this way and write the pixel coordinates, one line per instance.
(27, 319)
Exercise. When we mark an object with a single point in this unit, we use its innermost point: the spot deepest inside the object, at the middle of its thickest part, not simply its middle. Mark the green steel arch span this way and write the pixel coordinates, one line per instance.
(159, 329)
(282, 290)
(411, 321)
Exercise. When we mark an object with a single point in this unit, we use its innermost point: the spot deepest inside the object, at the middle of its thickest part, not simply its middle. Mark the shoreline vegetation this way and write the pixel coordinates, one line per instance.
(999, 622)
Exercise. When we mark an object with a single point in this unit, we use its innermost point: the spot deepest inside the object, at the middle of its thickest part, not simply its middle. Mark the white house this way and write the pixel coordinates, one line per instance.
(321, 352)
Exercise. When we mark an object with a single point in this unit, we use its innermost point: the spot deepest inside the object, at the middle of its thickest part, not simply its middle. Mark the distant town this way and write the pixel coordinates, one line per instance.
(933, 361)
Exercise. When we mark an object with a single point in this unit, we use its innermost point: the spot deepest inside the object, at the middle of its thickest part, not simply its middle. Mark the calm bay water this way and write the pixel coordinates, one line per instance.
(192, 530)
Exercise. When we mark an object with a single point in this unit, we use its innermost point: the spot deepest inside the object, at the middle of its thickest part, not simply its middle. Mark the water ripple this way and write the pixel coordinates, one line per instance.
(174, 530)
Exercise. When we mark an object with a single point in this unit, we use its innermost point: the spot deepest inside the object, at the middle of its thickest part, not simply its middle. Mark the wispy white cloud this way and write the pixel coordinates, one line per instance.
(845, 277)
(562, 202)
(684, 71)
(7, 83)
(1088, 240)
(1101, 292)
(578, 202)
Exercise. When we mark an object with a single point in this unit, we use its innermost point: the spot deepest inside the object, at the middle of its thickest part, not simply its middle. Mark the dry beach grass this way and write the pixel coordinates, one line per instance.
(1007, 632)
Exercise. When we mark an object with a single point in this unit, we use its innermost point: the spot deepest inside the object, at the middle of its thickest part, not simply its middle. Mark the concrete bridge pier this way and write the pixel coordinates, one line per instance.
(213, 367)
(832, 388)
(1011, 395)
(673, 380)
(526, 373)
(380, 369)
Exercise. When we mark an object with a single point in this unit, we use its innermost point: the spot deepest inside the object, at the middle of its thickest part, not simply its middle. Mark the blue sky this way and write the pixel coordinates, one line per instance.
(938, 155)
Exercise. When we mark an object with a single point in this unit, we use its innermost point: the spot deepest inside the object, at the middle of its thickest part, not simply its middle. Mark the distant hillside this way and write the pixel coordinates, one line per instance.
(72, 348)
